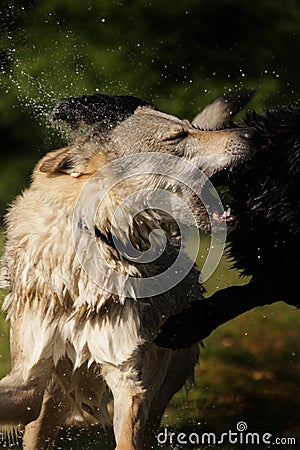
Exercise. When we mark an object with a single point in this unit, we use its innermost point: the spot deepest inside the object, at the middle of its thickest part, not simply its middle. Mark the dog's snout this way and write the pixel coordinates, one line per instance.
(247, 133)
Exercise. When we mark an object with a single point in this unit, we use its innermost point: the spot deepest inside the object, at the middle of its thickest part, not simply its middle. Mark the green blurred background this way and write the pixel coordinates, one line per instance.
(179, 55)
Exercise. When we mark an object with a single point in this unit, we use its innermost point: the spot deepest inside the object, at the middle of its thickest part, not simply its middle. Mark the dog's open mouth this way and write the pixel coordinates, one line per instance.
(221, 182)
(226, 216)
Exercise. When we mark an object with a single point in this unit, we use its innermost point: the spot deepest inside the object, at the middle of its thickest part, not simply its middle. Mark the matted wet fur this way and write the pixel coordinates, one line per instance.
(74, 345)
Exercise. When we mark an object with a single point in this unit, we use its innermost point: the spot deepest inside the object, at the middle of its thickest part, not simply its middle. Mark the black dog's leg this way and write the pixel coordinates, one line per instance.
(198, 321)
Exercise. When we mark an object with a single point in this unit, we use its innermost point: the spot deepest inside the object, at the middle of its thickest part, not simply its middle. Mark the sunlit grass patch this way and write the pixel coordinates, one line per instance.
(249, 370)
(4, 348)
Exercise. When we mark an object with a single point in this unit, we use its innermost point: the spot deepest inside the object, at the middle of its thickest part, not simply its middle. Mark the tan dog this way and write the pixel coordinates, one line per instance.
(79, 340)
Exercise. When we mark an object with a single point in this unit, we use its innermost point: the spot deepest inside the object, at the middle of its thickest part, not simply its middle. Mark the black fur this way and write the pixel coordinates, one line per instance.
(266, 198)
(90, 109)
(265, 243)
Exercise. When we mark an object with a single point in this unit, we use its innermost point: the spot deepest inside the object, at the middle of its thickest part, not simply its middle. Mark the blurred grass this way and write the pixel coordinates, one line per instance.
(4, 333)
(248, 371)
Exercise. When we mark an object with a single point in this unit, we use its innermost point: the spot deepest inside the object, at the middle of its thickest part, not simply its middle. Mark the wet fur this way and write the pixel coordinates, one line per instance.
(265, 194)
(74, 345)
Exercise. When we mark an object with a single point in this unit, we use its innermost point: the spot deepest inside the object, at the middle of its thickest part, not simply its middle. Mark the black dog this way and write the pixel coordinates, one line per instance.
(265, 243)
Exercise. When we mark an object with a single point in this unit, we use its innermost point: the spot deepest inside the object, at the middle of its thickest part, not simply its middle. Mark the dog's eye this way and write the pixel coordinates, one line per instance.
(176, 135)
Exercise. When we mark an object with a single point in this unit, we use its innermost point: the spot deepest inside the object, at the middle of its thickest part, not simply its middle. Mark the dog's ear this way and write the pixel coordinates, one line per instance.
(73, 162)
(59, 161)
(223, 109)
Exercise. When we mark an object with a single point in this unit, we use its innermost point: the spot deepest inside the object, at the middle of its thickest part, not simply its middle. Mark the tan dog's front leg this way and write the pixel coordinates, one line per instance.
(130, 408)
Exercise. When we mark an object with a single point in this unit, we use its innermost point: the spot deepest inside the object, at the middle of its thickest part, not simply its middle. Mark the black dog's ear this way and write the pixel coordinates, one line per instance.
(97, 108)
(223, 109)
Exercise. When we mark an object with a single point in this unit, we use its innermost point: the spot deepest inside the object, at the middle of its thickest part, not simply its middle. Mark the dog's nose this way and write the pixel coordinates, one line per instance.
(247, 133)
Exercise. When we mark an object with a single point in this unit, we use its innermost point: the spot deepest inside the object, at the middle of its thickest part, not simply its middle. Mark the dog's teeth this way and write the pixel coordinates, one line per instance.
(227, 213)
